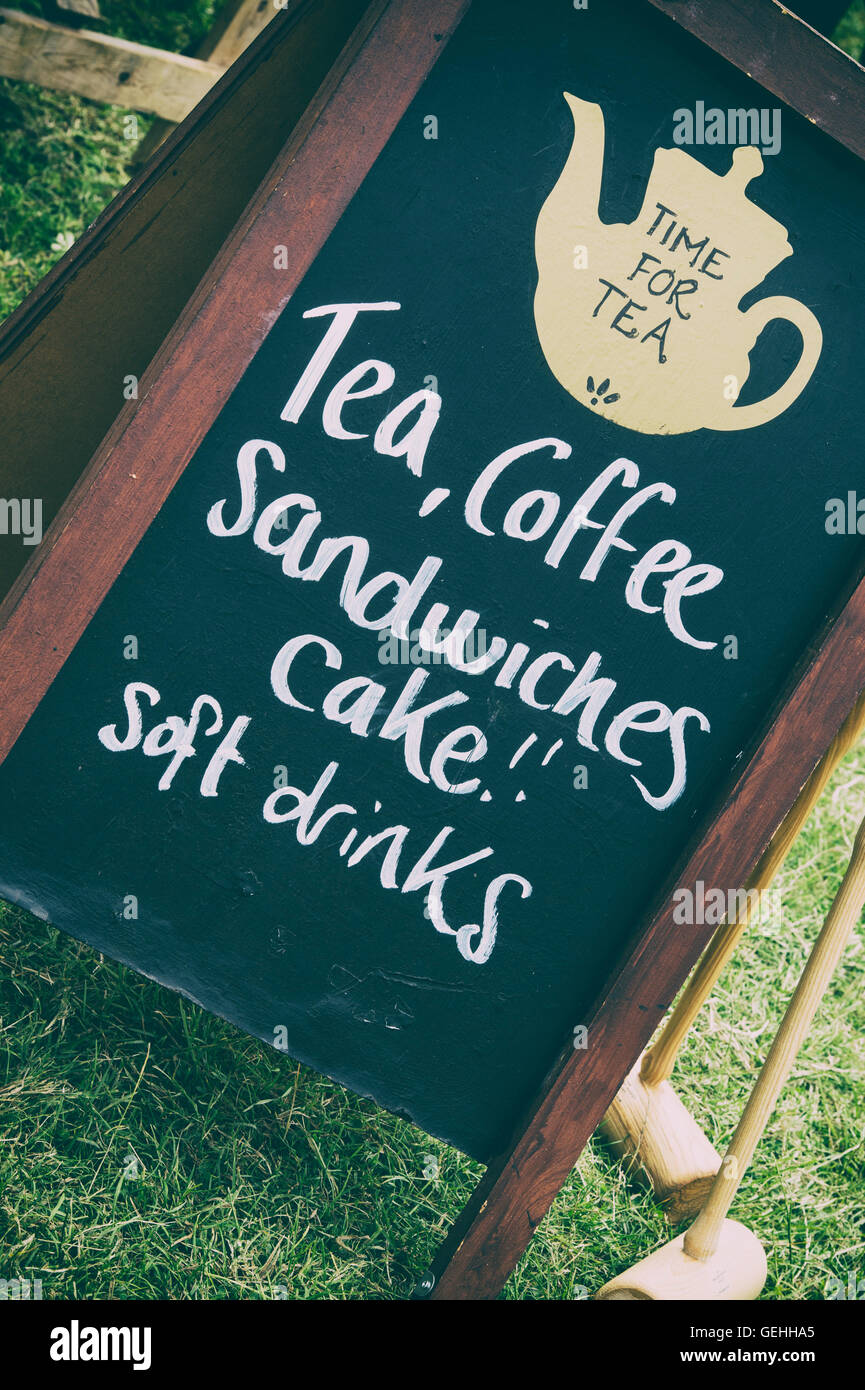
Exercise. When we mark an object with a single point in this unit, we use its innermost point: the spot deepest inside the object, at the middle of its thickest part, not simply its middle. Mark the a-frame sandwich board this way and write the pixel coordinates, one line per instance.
(192, 378)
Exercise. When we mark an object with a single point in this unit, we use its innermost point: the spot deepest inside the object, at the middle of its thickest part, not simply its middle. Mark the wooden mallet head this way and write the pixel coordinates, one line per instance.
(736, 1271)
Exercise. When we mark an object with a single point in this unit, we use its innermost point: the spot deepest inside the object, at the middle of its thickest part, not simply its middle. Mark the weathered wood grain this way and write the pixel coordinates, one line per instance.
(101, 67)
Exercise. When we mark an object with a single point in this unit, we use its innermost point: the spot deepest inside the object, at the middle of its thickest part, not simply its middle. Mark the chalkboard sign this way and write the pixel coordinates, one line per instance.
(455, 629)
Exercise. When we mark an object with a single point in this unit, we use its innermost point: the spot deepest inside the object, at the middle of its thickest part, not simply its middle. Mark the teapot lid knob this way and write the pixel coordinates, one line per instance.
(747, 164)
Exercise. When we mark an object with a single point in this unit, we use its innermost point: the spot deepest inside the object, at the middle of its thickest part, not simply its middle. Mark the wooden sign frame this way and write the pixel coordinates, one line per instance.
(192, 376)
(105, 308)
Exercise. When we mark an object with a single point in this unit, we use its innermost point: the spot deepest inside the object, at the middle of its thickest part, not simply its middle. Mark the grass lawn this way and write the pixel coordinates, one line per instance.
(148, 1150)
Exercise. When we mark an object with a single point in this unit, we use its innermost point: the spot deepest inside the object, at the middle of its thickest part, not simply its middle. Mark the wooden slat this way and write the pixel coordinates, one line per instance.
(90, 8)
(236, 25)
(102, 68)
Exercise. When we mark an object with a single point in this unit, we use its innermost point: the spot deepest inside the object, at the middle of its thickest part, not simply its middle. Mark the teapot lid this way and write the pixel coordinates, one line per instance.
(719, 202)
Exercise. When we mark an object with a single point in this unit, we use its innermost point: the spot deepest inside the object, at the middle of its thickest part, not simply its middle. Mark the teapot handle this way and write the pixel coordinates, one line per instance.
(779, 306)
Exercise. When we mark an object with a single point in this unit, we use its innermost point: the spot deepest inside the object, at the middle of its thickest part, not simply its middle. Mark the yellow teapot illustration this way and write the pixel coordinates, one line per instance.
(640, 321)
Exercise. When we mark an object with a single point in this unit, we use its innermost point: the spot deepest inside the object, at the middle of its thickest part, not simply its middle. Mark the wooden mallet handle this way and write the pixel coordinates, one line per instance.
(659, 1060)
(701, 1241)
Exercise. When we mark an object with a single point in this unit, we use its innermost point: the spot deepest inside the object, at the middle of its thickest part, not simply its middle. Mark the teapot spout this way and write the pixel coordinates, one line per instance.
(573, 202)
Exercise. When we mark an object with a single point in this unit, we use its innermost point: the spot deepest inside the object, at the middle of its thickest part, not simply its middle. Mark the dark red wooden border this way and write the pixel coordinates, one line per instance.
(190, 380)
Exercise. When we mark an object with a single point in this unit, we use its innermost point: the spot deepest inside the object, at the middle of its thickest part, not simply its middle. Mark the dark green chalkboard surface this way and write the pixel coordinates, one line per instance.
(433, 909)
